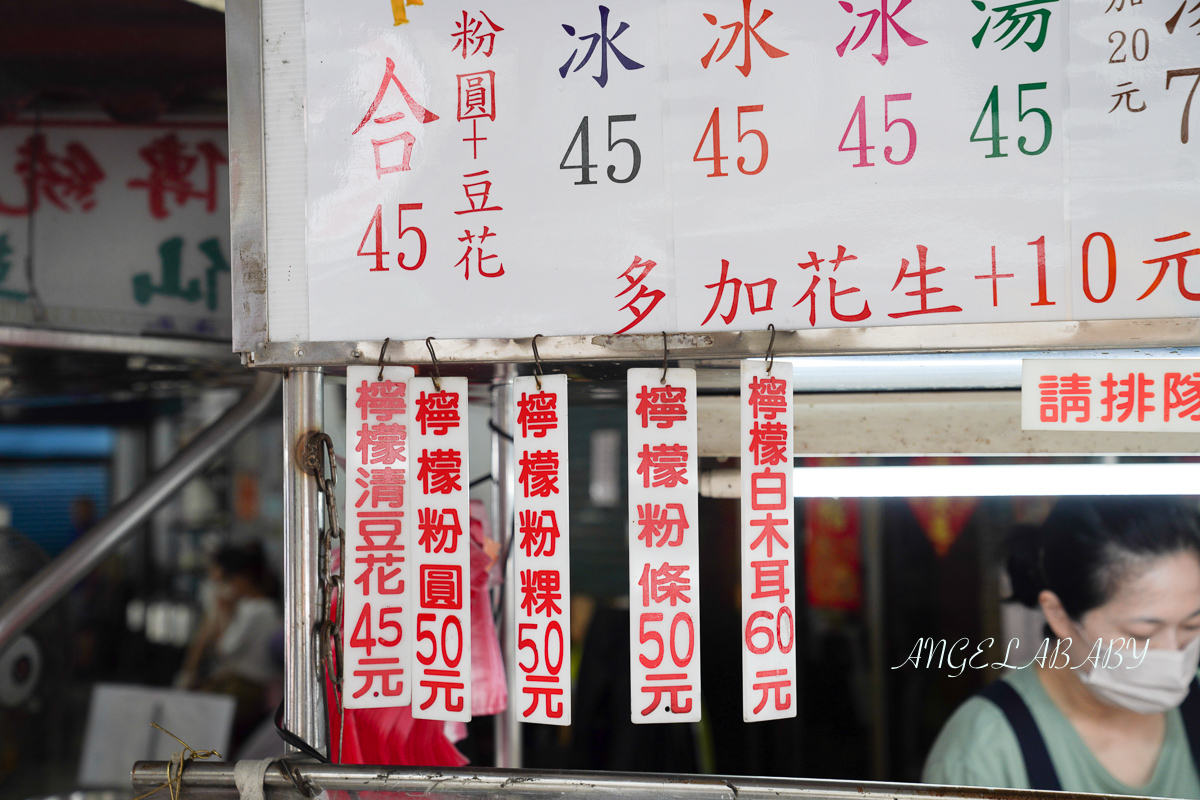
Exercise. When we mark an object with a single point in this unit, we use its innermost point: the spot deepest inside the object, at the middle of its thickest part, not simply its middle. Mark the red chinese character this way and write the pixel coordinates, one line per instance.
(725, 280)
(663, 465)
(1164, 263)
(437, 412)
(537, 413)
(769, 580)
(379, 530)
(467, 34)
(889, 18)
(768, 491)
(381, 443)
(768, 396)
(770, 534)
(539, 533)
(382, 486)
(666, 583)
(381, 564)
(779, 681)
(57, 179)
(662, 405)
(382, 399)
(1133, 389)
(673, 689)
(654, 295)
(440, 530)
(480, 258)
(390, 680)
(477, 95)
(421, 114)
(441, 471)
(538, 692)
(769, 443)
(668, 523)
(541, 591)
(539, 473)
(171, 171)
(747, 31)
(441, 586)
(1071, 396)
(922, 275)
(453, 704)
(1181, 391)
(477, 194)
(810, 294)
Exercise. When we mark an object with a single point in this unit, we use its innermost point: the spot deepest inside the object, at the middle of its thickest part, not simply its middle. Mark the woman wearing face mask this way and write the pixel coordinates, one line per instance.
(1100, 571)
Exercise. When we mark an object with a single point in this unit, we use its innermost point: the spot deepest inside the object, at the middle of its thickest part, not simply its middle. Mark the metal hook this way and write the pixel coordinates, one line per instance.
(437, 372)
(771, 349)
(663, 379)
(537, 362)
(382, 352)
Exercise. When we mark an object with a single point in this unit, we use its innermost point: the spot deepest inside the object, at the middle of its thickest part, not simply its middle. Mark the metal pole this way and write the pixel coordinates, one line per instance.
(304, 705)
(82, 557)
(508, 726)
(872, 539)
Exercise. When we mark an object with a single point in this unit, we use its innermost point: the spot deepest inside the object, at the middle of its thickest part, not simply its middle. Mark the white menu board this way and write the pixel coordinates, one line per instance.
(727, 165)
(377, 630)
(542, 512)
(664, 547)
(442, 553)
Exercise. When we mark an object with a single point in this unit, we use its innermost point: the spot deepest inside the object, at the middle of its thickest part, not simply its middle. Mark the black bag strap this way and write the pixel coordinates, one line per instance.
(1038, 765)
(1190, 711)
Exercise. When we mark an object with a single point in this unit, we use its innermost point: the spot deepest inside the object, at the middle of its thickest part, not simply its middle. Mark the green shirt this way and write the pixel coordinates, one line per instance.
(977, 747)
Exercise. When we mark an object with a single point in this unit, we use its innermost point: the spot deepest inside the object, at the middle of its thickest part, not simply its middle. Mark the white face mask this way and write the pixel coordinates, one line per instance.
(1159, 682)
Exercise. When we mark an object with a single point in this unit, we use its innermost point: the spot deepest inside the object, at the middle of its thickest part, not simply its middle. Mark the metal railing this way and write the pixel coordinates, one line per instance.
(57, 578)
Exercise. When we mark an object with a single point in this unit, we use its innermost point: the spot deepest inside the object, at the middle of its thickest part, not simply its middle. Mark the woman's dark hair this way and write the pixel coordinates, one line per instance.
(1087, 547)
(242, 561)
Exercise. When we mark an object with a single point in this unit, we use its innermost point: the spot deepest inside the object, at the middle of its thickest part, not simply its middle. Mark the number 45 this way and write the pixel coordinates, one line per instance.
(992, 108)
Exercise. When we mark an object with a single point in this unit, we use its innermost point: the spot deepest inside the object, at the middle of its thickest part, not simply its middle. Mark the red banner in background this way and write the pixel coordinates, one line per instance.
(942, 518)
(833, 560)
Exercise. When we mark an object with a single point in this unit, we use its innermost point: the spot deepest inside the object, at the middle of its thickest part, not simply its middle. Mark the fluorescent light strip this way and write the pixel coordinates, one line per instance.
(998, 480)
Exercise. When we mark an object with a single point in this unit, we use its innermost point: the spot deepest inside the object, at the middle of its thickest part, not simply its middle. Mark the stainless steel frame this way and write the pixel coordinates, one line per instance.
(304, 695)
(508, 724)
(80, 558)
(214, 781)
(247, 179)
(733, 345)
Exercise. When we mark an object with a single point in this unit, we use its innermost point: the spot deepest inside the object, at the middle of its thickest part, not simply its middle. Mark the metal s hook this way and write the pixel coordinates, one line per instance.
(537, 362)
(771, 349)
(382, 352)
(437, 372)
(663, 379)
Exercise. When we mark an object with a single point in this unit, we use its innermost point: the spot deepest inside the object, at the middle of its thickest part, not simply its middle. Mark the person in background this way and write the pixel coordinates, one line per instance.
(231, 651)
(1104, 570)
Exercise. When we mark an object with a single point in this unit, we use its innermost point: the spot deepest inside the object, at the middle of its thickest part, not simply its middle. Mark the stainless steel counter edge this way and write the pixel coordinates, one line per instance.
(211, 778)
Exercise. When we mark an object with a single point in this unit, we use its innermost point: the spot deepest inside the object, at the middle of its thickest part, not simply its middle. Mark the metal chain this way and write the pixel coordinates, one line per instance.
(320, 462)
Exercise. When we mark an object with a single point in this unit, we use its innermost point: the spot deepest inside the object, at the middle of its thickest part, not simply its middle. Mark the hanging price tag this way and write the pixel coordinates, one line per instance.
(543, 555)
(664, 551)
(375, 630)
(768, 543)
(442, 550)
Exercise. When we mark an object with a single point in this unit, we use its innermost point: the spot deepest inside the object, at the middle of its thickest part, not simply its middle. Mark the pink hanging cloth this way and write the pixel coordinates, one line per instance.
(390, 736)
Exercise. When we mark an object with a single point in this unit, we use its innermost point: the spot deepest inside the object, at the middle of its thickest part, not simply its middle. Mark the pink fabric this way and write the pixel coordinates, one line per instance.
(489, 690)
(390, 736)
